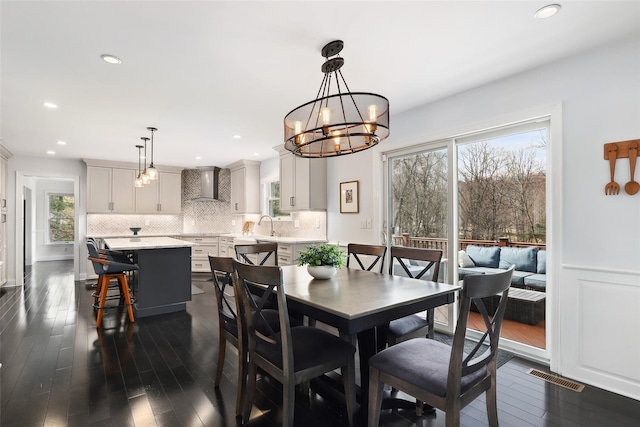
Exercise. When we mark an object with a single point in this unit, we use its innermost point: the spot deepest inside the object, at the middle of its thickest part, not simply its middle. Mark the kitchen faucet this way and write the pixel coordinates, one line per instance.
(273, 233)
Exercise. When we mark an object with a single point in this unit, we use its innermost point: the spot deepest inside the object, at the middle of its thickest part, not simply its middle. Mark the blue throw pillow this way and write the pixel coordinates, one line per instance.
(484, 256)
(542, 262)
(525, 259)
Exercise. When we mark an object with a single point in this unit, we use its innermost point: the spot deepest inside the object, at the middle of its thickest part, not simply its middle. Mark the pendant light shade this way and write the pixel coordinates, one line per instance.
(338, 121)
(144, 176)
(152, 172)
(138, 181)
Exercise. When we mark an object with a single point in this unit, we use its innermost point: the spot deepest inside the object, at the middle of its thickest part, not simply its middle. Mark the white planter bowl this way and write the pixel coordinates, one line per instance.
(322, 271)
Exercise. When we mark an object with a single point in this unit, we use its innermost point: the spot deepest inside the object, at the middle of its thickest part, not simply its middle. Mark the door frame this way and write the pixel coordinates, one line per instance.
(552, 113)
(19, 221)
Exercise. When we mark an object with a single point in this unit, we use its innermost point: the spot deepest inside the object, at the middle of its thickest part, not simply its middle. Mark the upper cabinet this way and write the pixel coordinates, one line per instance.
(245, 187)
(110, 189)
(160, 196)
(303, 183)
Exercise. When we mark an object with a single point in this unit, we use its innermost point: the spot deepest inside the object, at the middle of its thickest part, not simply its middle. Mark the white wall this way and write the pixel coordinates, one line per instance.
(599, 236)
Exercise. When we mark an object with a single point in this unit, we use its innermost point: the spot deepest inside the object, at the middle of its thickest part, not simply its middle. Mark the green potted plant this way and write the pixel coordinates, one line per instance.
(322, 261)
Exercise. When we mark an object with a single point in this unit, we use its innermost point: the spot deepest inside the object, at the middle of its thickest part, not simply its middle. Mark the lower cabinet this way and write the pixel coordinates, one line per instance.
(200, 254)
(289, 252)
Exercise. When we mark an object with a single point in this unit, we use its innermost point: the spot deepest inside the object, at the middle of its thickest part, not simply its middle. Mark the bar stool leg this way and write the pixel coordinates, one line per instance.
(104, 287)
(124, 289)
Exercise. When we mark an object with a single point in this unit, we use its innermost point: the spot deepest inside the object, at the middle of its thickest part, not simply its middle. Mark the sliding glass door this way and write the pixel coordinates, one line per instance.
(477, 192)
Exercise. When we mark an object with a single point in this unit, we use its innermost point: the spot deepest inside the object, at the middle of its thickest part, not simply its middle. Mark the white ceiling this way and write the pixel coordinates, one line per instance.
(204, 71)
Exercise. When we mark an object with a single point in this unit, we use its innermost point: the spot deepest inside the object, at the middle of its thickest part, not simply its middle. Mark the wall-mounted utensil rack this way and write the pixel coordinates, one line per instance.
(622, 150)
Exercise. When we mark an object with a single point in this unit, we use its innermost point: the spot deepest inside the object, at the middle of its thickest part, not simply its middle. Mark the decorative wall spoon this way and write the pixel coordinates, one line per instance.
(632, 187)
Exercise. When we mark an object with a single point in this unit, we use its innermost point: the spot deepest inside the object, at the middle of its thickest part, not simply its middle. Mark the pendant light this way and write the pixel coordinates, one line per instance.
(151, 170)
(144, 176)
(138, 181)
(338, 123)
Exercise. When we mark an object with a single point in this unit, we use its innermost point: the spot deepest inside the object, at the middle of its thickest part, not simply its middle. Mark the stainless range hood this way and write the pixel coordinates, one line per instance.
(209, 176)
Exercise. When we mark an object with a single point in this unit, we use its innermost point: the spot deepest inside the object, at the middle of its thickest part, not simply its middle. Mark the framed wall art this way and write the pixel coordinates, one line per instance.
(349, 197)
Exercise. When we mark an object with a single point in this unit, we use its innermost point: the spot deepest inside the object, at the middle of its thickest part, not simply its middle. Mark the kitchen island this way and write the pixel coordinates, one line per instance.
(163, 282)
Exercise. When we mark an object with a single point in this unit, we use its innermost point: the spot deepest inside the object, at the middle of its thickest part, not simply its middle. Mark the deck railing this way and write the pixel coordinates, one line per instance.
(441, 243)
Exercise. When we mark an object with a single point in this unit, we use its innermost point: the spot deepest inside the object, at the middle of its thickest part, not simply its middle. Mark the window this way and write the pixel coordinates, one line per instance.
(61, 214)
(272, 201)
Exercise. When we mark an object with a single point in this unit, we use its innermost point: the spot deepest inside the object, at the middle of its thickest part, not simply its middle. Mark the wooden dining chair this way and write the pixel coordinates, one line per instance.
(229, 327)
(444, 376)
(290, 355)
(362, 254)
(266, 253)
(417, 263)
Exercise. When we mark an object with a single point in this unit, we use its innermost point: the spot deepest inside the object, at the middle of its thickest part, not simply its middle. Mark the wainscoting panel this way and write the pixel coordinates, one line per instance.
(600, 328)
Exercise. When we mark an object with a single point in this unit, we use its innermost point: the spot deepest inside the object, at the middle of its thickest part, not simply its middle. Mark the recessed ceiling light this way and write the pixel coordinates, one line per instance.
(236, 137)
(50, 105)
(547, 12)
(256, 154)
(198, 158)
(62, 142)
(111, 59)
(51, 152)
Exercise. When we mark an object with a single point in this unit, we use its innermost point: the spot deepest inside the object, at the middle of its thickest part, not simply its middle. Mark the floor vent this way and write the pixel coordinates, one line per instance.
(554, 379)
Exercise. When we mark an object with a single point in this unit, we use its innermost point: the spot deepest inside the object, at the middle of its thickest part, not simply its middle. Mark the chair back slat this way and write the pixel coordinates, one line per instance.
(256, 286)
(475, 289)
(378, 252)
(432, 258)
(267, 249)
(222, 272)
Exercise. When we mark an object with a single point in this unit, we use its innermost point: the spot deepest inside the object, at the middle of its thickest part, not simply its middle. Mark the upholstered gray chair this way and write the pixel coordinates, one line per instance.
(290, 355)
(359, 254)
(426, 260)
(444, 376)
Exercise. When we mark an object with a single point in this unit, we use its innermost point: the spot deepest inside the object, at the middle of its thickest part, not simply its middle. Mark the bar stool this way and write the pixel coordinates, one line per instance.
(107, 269)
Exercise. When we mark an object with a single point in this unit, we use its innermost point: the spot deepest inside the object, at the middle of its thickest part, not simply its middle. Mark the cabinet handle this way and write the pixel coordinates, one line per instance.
(236, 206)
(159, 207)
(291, 201)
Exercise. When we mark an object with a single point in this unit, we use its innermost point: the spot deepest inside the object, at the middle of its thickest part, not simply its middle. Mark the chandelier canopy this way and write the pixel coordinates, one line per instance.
(338, 123)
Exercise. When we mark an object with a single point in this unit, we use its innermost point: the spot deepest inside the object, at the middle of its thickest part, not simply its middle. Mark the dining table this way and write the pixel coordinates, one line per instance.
(356, 302)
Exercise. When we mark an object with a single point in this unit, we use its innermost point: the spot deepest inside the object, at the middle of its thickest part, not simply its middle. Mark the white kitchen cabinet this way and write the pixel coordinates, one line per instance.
(207, 245)
(226, 247)
(110, 190)
(245, 187)
(289, 252)
(160, 196)
(303, 183)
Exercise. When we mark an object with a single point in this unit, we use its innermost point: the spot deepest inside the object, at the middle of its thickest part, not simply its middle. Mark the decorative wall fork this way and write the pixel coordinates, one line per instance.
(612, 188)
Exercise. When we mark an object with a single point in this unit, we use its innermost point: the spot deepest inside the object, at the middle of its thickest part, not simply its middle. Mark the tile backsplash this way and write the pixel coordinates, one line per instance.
(210, 216)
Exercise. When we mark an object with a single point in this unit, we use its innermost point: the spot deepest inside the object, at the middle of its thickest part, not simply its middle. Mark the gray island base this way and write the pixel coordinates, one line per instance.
(163, 282)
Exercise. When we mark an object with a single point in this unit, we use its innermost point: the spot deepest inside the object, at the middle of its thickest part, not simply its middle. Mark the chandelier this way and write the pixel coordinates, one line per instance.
(338, 123)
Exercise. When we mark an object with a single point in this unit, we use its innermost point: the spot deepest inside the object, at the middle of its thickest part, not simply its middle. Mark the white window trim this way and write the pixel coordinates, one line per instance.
(47, 233)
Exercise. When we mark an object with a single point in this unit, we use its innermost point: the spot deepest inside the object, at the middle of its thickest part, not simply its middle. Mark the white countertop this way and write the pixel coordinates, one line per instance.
(275, 239)
(136, 243)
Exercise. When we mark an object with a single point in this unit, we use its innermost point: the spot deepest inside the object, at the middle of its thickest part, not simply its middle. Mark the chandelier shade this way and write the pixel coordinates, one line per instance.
(152, 172)
(339, 123)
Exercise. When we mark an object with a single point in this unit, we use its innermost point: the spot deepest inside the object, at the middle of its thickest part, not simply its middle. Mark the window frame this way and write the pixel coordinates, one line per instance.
(48, 218)
(268, 197)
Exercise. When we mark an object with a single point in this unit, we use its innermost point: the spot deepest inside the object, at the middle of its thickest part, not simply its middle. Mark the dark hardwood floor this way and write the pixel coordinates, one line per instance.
(58, 370)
